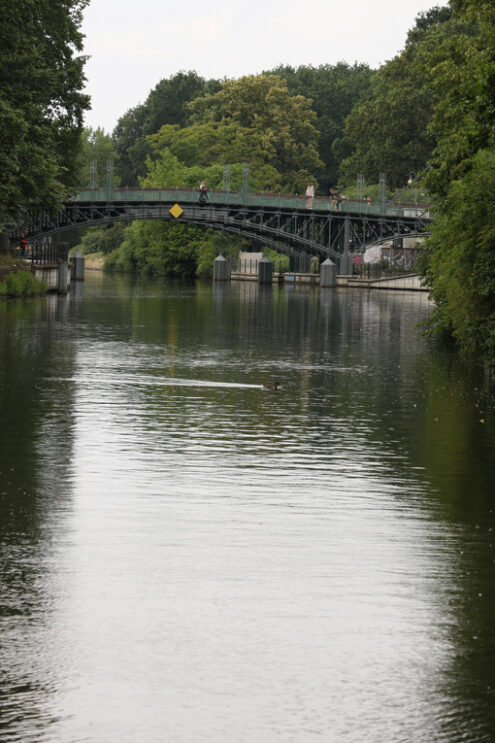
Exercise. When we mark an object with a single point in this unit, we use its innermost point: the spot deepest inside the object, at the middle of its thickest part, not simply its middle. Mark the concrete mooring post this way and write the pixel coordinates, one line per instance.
(265, 271)
(328, 273)
(78, 263)
(221, 270)
(62, 275)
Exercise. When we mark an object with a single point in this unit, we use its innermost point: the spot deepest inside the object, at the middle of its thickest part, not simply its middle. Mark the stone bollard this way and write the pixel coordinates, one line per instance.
(328, 272)
(221, 270)
(62, 276)
(78, 263)
(265, 271)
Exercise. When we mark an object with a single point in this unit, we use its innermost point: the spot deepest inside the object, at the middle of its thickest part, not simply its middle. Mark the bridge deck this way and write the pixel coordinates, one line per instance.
(269, 200)
(279, 221)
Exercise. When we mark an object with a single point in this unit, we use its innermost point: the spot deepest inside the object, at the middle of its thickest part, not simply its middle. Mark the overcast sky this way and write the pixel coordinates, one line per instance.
(133, 44)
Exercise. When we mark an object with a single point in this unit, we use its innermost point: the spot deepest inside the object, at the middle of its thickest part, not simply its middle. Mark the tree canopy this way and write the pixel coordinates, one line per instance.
(167, 103)
(333, 90)
(389, 129)
(97, 148)
(182, 157)
(282, 124)
(41, 104)
(460, 268)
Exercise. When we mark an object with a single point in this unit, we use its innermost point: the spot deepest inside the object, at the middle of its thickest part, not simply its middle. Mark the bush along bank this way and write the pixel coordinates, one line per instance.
(21, 284)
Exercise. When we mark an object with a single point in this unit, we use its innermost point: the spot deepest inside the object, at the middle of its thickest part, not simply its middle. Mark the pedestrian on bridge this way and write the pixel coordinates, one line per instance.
(203, 192)
(310, 194)
(334, 200)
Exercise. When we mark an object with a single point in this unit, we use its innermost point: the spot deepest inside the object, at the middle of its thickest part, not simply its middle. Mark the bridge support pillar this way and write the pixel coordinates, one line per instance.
(221, 271)
(346, 264)
(78, 262)
(265, 271)
(328, 273)
(62, 277)
(345, 268)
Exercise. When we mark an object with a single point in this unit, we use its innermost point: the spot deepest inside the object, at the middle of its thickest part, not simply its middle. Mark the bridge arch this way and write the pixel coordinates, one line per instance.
(281, 222)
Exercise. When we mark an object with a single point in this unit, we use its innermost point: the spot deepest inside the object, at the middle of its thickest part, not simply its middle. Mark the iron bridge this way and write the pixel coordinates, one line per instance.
(285, 223)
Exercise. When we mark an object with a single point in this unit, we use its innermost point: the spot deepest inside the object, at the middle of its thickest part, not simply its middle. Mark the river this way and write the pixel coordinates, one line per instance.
(187, 557)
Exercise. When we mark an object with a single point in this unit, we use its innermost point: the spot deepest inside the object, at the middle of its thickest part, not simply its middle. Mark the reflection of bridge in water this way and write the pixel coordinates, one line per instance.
(278, 221)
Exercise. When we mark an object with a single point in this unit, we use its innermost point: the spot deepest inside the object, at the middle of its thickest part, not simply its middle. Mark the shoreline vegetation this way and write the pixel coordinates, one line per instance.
(94, 262)
(20, 284)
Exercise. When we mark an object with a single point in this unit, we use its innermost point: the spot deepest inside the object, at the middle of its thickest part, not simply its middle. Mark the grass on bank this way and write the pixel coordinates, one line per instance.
(21, 284)
(11, 259)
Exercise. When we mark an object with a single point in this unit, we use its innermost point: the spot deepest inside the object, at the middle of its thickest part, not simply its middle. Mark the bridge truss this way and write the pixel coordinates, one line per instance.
(294, 230)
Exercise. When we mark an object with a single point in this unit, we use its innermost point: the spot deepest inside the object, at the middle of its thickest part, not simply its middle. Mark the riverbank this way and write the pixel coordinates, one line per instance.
(404, 282)
(18, 282)
(94, 261)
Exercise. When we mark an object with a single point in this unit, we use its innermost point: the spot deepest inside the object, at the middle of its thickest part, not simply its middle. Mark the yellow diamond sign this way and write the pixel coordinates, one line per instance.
(176, 211)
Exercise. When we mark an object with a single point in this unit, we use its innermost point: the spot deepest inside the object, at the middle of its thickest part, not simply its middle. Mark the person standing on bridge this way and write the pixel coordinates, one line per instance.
(334, 199)
(203, 192)
(310, 194)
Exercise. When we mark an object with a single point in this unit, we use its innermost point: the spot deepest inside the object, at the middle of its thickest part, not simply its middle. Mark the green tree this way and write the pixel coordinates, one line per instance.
(166, 249)
(463, 82)
(167, 103)
(130, 146)
(390, 129)
(41, 106)
(461, 259)
(284, 125)
(182, 157)
(334, 90)
(99, 148)
(103, 239)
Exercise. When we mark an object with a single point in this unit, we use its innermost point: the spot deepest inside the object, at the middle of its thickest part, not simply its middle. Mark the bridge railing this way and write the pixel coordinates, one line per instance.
(45, 254)
(262, 200)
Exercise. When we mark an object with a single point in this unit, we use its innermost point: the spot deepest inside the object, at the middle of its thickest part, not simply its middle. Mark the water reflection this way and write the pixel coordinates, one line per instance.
(186, 556)
(35, 453)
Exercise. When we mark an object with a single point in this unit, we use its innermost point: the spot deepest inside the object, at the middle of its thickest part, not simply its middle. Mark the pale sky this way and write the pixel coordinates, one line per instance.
(133, 44)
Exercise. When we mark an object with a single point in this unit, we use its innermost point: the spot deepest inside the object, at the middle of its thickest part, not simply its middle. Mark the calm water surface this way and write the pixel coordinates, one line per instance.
(186, 557)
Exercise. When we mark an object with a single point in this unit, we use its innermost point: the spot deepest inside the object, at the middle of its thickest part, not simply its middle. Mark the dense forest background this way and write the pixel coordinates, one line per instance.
(426, 115)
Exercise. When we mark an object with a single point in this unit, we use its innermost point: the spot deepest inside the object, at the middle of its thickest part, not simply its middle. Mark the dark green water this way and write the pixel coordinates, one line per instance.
(186, 557)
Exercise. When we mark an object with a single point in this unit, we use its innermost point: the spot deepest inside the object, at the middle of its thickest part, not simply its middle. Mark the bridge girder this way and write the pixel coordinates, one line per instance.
(291, 231)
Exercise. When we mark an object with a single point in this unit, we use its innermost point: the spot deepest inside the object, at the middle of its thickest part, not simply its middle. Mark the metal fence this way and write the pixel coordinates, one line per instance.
(44, 254)
(378, 271)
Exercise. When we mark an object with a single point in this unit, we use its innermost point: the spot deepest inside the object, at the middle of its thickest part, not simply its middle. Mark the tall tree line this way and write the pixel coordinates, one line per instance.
(316, 98)
(460, 266)
(41, 103)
